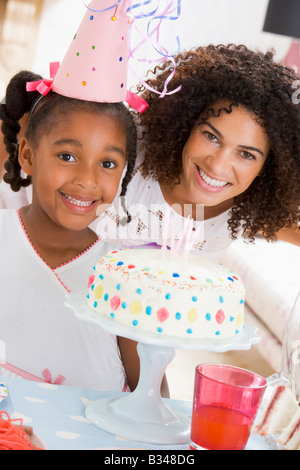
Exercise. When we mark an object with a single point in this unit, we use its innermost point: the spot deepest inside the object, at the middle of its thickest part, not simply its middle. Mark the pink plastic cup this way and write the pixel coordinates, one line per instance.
(225, 404)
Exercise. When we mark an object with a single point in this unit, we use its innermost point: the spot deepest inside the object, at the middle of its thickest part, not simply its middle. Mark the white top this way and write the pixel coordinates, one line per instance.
(147, 206)
(40, 337)
(14, 200)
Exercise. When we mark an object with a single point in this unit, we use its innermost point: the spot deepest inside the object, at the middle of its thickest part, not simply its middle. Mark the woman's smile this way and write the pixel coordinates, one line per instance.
(208, 182)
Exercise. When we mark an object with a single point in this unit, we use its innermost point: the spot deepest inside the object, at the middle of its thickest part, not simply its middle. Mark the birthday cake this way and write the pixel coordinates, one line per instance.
(164, 293)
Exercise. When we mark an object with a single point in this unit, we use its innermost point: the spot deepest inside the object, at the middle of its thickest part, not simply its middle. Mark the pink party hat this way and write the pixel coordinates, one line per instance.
(95, 67)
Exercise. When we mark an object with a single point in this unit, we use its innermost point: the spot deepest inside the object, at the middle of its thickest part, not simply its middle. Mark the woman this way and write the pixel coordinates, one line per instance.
(226, 147)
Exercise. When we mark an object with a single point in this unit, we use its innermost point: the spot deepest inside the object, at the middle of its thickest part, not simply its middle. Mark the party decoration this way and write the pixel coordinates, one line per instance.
(95, 67)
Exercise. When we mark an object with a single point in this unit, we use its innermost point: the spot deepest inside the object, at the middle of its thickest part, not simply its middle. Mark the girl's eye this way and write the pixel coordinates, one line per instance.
(108, 164)
(66, 157)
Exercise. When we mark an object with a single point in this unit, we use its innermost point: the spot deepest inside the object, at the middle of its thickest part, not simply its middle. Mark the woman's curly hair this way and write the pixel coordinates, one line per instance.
(252, 79)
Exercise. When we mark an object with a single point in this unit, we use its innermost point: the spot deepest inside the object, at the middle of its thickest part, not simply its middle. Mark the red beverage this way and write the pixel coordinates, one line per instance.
(219, 428)
(226, 400)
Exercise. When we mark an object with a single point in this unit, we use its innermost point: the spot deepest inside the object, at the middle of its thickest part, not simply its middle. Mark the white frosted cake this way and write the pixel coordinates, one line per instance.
(163, 293)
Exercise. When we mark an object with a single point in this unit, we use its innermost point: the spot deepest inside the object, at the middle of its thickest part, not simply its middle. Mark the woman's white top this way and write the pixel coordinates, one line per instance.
(40, 336)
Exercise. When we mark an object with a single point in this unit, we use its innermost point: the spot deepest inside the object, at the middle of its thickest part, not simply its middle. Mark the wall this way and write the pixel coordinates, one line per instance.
(19, 20)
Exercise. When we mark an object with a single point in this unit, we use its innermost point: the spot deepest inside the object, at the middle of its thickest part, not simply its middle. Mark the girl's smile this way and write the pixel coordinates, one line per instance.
(79, 205)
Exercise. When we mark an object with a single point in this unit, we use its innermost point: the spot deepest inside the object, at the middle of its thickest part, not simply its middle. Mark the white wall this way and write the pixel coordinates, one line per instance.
(201, 22)
(58, 24)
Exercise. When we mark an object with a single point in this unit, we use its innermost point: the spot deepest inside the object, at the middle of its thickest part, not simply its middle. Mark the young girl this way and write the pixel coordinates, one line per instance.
(224, 149)
(74, 153)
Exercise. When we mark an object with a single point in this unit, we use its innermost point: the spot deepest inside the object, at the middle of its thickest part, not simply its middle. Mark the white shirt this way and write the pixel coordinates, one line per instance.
(14, 200)
(39, 335)
(147, 206)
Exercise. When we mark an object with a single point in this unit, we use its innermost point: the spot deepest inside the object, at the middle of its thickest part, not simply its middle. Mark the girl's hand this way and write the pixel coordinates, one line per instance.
(131, 362)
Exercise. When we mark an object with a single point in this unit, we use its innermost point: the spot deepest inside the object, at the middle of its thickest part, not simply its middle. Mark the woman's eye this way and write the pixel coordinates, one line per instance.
(248, 155)
(210, 136)
(108, 164)
(66, 157)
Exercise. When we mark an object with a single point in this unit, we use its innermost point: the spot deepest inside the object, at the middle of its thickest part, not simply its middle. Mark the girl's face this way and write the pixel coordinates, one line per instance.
(76, 167)
(222, 157)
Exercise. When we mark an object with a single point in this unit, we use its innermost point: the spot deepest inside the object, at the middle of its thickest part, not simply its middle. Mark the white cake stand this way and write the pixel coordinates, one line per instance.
(143, 415)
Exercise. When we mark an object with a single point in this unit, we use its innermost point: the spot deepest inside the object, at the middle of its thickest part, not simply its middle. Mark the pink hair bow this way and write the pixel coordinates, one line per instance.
(136, 102)
(45, 85)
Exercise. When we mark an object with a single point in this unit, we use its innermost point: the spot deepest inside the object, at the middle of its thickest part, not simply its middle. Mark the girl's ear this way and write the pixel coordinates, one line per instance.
(26, 157)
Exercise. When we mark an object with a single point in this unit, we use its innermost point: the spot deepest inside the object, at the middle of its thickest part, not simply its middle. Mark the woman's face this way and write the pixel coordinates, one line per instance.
(76, 167)
(222, 156)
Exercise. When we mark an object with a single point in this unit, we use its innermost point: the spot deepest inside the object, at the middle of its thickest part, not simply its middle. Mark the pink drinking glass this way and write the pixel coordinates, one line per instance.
(225, 404)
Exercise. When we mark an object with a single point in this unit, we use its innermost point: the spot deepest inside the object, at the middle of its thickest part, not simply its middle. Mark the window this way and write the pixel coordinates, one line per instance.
(19, 21)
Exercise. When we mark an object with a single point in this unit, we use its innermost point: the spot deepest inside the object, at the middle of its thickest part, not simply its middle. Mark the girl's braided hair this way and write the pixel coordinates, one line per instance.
(241, 76)
(43, 113)
(17, 104)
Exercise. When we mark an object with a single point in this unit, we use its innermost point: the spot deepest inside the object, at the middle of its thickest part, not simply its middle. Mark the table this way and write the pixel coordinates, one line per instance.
(57, 415)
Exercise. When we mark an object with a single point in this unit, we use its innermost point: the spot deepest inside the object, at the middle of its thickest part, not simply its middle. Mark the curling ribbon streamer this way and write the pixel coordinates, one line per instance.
(142, 15)
(44, 86)
(160, 49)
(166, 16)
(105, 9)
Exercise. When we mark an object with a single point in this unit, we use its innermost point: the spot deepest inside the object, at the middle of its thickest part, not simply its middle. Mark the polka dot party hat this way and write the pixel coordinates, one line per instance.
(95, 67)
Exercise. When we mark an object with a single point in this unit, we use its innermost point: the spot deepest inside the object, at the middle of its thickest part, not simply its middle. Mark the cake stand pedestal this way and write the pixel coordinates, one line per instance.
(143, 415)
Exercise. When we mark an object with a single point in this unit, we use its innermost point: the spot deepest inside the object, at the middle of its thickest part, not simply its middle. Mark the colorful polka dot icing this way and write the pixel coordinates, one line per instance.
(161, 292)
